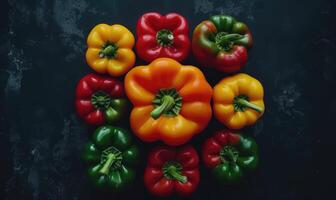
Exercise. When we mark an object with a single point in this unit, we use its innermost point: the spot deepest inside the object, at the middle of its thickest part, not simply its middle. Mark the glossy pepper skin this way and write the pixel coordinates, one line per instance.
(170, 171)
(229, 155)
(162, 36)
(100, 99)
(111, 157)
(222, 43)
(238, 101)
(110, 49)
(171, 101)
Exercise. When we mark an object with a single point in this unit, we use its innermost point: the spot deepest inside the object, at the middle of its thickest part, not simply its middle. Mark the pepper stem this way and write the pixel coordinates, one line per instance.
(244, 103)
(165, 37)
(174, 173)
(101, 100)
(241, 103)
(111, 158)
(225, 41)
(168, 103)
(229, 153)
(109, 51)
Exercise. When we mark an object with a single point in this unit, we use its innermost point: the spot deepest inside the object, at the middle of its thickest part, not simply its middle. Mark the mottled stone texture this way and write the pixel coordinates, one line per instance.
(42, 57)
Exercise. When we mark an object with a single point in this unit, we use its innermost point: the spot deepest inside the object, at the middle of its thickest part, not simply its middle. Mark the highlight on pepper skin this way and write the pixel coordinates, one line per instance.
(171, 101)
(238, 101)
(110, 49)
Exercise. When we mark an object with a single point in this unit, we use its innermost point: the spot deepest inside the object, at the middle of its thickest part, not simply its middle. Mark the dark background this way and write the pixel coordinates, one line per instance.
(42, 57)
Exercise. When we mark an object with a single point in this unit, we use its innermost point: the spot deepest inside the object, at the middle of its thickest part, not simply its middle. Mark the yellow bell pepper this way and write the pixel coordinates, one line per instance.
(110, 49)
(238, 101)
(171, 101)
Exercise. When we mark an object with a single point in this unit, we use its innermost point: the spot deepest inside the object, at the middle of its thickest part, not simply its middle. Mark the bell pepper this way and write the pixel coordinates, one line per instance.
(230, 155)
(100, 99)
(110, 49)
(172, 171)
(110, 157)
(222, 43)
(171, 101)
(238, 101)
(162, 36)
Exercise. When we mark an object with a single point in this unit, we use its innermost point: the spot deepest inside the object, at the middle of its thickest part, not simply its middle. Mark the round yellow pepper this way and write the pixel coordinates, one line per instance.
(110, 49)
(238, 101)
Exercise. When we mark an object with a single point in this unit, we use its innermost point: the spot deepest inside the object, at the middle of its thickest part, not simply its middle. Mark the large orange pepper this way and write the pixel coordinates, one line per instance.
(171, 101)
(238, 101)
(110, 49)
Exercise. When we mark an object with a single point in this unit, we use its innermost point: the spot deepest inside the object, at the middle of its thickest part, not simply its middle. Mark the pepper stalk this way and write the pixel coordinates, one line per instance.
(241, 103)
(112, 158)
(173, 170)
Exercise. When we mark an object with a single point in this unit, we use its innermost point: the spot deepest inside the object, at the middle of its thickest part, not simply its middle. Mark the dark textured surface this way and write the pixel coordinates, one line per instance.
(42, 57)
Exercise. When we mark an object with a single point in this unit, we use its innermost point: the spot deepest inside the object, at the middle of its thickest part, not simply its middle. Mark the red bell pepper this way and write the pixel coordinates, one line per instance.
(100, 99)
(230, 155)
(162, 36)
(172, 171)
(222, 43)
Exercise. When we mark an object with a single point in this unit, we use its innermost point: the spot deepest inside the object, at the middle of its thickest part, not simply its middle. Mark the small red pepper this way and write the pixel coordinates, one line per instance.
(162, 36)
(100, 99)
(172, 171)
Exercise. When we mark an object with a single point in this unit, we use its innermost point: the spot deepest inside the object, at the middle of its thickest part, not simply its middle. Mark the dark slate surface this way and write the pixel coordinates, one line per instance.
(42, 57)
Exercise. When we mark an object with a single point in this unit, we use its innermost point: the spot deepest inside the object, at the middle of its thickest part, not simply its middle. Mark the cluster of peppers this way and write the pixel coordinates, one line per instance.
(171, 102)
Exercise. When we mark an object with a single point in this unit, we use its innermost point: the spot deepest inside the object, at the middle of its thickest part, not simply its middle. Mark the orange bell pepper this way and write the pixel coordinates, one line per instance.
(110, 49)
(171, 101)
(238, 101)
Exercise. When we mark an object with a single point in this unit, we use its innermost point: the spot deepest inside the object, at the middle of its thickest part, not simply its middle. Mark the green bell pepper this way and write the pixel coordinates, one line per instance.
(111, 157)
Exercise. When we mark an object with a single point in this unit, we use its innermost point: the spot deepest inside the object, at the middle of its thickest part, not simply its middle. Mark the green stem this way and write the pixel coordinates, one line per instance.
(101, 100)
(109, 51)
(165, 37)
(231, 37)
(173, 172)
(229, 153)
(226, 41)
(245, 103)
(232, 156)
(168, 103)
(111, 158)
